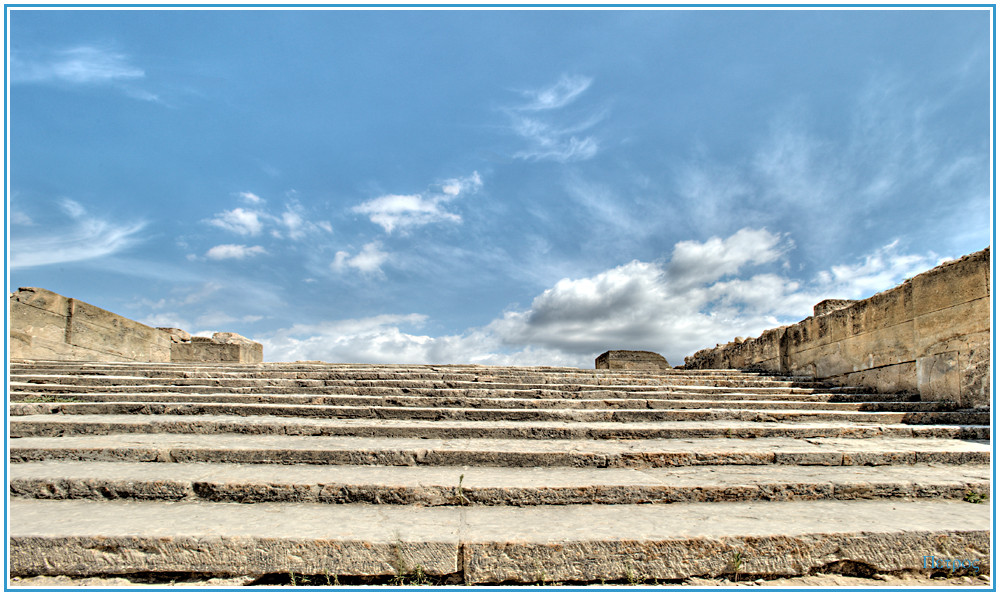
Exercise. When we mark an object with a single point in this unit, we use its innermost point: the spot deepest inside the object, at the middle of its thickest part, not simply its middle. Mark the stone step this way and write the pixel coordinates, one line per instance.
(584, 401)
(580, 384)
(495, 414)
(26, 382)
(47, 425)
(392, 451)
(591, 392)
(482, 545)
(464, 485)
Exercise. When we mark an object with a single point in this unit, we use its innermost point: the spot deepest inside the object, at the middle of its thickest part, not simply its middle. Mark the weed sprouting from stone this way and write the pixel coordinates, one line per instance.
(737, 564)
(975, 497)
(462, 499)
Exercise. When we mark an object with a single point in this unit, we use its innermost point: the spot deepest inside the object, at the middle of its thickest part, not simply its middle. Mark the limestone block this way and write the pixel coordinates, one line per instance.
(939, 328)
(37, 322)
(896, 378)
(952, 283)
(630, 360)
(885, 309)
(42, 299)
(176, 335)
(974, 370)
(938, 377)
(222, 347)
(829, 305)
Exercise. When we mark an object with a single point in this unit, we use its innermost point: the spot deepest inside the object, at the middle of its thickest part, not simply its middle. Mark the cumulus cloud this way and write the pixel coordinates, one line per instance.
(233, 251)
(400, 212)
(82, 237)
(369, 260)
(673, 308)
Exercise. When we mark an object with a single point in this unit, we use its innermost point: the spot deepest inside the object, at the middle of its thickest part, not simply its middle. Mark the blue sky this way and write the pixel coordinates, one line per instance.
(492, 186)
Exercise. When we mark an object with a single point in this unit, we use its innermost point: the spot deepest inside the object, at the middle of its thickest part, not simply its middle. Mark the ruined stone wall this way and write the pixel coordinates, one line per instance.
(47, 326)
(929, 336)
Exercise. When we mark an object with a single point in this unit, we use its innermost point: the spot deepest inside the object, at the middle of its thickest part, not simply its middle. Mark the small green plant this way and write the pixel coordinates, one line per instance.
(462, 499)
(334, 582)
(405, 576)
(630, 575)
(974, 497)
(291, 577)
(736, 563)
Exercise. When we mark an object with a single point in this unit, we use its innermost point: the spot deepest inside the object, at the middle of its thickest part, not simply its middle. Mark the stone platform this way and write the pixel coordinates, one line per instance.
(482, 475)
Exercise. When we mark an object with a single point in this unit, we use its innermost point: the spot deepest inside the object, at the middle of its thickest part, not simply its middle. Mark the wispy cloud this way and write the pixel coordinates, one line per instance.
(233, 251)
(540, 123)
(80, 65)
(81, 238)
(401, 212)
(562, 93)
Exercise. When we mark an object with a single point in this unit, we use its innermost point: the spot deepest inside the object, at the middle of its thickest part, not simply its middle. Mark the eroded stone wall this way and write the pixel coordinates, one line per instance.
(47, 326)
(928, 336)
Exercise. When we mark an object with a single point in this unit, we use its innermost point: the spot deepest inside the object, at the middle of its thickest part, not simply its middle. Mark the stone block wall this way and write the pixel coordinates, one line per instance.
(928, 336)
(47, 326)
(221, 347)
(630, 360)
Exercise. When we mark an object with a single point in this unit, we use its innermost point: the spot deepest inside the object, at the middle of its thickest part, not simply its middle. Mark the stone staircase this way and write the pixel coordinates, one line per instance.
(483, 475)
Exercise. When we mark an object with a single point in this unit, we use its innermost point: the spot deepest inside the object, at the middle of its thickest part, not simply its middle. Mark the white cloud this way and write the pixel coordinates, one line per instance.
(562, 93)
(80, 65)
(877, 272)
(369, 260)
(699, 262)
(245, 222)
(233, 251)
(83, 238)
(673, 308)
(399, 212)
(250, 197)
(546, 138)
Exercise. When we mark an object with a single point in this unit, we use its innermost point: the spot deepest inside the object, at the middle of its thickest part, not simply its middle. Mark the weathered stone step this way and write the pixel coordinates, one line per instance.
(491, 544)
(413, 413)
(584, 401)
(591, 392)
(342, 450)
(47, 425)
(136, 384)
(449, 485)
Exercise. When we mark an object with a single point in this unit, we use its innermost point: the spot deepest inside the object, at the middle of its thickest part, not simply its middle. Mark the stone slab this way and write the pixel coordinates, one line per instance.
(490, 544)
(47, 425)
(467, 485)
(343, 450)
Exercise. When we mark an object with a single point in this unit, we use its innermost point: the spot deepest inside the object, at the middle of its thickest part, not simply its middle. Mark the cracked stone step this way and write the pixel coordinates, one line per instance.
(49, 425)
(465, 485)
(414, 413)
(635, 401)
(491, 544)
(352, 450)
